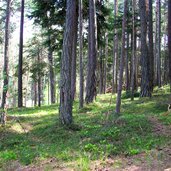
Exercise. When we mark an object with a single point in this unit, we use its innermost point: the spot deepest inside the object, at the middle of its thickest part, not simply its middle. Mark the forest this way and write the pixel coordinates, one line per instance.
(85, 85)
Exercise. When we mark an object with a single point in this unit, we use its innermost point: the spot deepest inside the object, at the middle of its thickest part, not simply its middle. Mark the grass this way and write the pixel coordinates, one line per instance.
(95, 135)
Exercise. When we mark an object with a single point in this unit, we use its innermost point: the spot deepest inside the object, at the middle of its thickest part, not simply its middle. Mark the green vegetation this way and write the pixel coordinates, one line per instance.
(96, 134)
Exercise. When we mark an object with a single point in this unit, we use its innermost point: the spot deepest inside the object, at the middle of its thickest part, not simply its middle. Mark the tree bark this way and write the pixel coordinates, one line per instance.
(169, 39)
(158, 41)
(20, 63)
(65, 110)
(81, 96)
(119, 92)
(145, 75)
(51, 73)
(115, 50)
(133, 59)
(6, 63)
(74, 58)
(151, 49)
(92, 48)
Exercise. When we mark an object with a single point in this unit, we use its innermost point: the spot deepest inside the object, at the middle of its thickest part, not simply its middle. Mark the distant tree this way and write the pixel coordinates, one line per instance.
(145, 75)
(122, 59)
(169, 38)
(65, 110)
(92, 52)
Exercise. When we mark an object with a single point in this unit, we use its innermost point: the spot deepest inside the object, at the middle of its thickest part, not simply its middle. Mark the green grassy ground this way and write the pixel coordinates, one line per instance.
(96, 133)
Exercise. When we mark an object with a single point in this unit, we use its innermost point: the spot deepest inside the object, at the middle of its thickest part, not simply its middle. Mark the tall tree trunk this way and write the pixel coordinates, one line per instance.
(51, 73)
(6, 61)
(133, 59)
(101, 71)
(151, 49)
(65, 110)
(20, 63)
(105, 64)
(92, 48)
(169, 39)
(6, 54)
(35, 93)
(81, 96)
(145, 75)
(127, 66)
(158, 41)
(39, 82)
(74, 58)
(115, 50)
(119, 92)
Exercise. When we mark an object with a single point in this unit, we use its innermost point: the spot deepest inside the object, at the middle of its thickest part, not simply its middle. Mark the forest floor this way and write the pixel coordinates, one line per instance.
(137, 140)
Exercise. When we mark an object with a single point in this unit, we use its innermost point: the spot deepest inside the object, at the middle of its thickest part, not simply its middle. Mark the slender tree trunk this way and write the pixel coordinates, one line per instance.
(51, 73)
(39, 82)
(119, 92)
(35, 93)
(81, 97)
(133, 59)
(20, 63)
(115, 50)
(127, 66)
(101, 71)
(66, 101)
(92, 48)
(6, 54)
(74, 58)
(145, 75)
(105, 64)
(169, 39)
(158, 41)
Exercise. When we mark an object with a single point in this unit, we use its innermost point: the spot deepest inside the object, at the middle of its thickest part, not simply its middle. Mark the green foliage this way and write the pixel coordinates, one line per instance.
(128, 94)
(96, 134)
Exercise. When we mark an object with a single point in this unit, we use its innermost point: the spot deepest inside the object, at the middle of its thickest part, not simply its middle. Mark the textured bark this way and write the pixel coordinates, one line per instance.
(74, 58)
(20, 63)
(119, 91)
(81, 96)
(65, 109)
(158, 41)
(35, 94)
(145, 75)
(105, 64)
(51, 74)
(169, 38)
(6, 57)
(101, 71)
(92, 48)
(39, 82)
(115, 50)
(151, 49)
(127, 74)
(133, 59)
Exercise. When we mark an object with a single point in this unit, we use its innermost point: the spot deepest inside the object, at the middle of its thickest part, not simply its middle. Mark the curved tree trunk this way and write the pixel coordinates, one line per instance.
(92, 48)
(119, 91)
(20, 63)
(65, 110)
